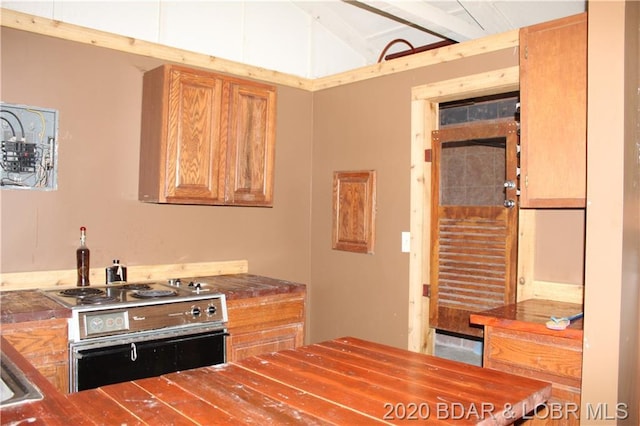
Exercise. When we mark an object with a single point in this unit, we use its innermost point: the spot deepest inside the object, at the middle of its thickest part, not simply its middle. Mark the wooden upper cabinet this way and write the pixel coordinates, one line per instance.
(206, 138)
(553, 113)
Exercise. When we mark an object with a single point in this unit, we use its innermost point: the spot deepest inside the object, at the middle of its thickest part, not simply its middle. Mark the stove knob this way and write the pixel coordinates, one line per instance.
(211, 310)
(195, 311)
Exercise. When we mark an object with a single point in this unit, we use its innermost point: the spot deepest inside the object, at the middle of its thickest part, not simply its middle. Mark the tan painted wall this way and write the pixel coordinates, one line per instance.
(611, 371)
(559, 246)
(366, 125)
(358, 126)
(98, 94)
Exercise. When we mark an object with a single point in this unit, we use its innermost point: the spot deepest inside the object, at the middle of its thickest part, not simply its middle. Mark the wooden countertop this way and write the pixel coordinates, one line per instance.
(29, 305)
(531, 316)
(342, 381)
(244, 286)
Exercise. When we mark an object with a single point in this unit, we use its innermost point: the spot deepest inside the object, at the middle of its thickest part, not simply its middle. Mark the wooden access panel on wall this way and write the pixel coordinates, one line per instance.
(354, 199)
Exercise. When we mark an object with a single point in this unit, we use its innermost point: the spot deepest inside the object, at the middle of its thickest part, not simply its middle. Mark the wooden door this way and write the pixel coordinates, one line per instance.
(473, 232)
(251, 144)
(193, 172)
(553, 113)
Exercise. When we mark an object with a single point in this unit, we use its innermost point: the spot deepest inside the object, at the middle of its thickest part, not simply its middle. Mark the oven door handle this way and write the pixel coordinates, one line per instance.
(134, 352)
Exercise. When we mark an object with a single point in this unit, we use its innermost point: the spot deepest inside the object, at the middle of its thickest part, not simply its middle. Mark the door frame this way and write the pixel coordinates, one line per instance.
(425, 102)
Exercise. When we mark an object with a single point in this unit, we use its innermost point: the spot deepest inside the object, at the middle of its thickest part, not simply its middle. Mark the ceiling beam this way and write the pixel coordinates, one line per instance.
(330, 20)
(428, 17)
(487, 15)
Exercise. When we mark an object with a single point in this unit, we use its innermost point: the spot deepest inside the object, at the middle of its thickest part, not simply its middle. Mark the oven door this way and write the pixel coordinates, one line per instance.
(109, 361)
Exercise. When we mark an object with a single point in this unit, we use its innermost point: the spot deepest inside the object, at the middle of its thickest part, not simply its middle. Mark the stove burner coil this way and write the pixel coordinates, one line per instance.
(81, 292)
(152, 294)
(97, 299)
(135, 287)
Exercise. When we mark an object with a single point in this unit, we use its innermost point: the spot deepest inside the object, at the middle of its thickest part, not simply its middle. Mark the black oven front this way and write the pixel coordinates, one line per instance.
(112, 360)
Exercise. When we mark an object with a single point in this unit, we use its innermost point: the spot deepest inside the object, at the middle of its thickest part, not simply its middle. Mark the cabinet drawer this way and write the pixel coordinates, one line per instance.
(547, 358)
(243, 345)
(263, 312)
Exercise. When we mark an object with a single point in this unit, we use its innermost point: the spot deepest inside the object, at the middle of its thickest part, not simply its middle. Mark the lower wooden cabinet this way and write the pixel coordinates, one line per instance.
(265, 324)
(517, 341)
(549, 358)
(44, 344)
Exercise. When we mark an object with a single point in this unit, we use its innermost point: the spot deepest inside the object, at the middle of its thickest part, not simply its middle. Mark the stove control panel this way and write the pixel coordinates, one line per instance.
(99, 323)
(113, 321)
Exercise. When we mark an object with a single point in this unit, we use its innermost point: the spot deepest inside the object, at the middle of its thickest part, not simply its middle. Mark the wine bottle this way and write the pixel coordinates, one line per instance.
(82, 257)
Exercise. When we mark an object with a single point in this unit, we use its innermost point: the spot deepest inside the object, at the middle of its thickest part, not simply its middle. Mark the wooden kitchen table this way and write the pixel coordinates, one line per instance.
(345, 381)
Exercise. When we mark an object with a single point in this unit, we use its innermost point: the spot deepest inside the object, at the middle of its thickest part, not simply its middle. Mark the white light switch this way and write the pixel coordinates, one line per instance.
(406, 242)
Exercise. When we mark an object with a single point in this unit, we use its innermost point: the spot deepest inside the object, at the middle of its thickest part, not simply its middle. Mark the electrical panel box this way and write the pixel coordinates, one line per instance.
(29, 148)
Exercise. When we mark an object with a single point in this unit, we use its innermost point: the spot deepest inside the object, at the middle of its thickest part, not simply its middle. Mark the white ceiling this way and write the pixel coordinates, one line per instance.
(309, 39)
(368, 26)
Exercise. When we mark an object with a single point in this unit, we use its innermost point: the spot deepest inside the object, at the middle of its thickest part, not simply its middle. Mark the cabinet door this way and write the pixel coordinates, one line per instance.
(264, 324)
(553, 359)
(194, 146)
(553, 89)
(44, 344)
(250, 143)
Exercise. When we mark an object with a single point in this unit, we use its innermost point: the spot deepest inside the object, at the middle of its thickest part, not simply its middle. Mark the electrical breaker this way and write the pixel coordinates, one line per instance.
(29, 149)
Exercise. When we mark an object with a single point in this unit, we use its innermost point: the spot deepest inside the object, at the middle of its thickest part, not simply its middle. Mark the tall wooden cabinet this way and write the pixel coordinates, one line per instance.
(206, 138)
(553, 97)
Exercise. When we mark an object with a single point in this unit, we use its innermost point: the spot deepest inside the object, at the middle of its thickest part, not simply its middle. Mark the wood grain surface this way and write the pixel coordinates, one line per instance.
(342, 381)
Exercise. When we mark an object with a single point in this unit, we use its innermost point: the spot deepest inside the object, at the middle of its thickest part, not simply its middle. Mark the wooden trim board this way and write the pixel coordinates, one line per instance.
(136, 273)
(44, 26)
(560, 292)
(58, 29)
(449, 53)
